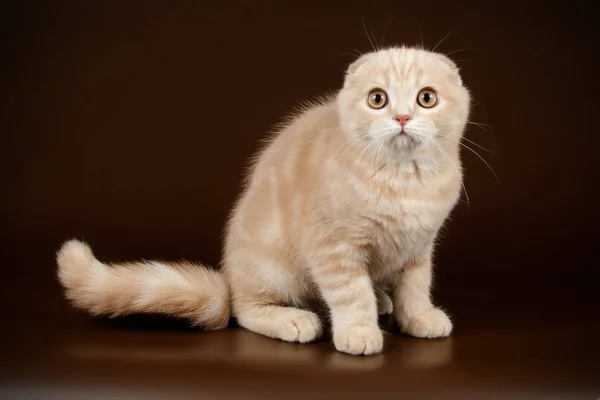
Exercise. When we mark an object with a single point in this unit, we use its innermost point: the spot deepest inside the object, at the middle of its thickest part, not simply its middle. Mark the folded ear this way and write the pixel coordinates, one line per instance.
(450, 64)
(355, 66)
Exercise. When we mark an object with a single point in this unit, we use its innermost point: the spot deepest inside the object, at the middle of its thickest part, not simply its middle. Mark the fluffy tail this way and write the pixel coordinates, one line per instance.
(183, 290)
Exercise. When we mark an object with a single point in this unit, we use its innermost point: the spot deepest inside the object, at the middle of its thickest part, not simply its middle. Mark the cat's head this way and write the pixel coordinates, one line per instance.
(403, 99)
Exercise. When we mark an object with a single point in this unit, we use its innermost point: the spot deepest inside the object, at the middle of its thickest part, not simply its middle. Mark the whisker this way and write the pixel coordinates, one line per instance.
(444, 38)
(430, 152)
(477, 154)
(355, 164)
(485, 127)
(378, 142)
(367, 33)
(375, 38)
(420, 32)
(350, 145)
(350, 142)
(455, 168)
(477, 145)
(456, 51)
(479, 124)
(326, 130)
(378, 150)
(468, 140)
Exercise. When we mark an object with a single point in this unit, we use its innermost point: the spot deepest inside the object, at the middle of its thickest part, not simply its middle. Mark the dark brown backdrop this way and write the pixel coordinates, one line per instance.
(128, 123)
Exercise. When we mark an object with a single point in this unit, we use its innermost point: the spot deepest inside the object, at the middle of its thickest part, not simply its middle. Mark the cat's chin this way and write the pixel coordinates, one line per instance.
(404, 142)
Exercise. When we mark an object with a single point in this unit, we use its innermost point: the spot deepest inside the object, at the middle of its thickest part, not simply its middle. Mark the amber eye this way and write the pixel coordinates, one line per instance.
(377, 99)
(427, 98)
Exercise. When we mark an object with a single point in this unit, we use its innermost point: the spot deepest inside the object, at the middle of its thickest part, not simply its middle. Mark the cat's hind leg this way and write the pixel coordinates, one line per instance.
(285, 323)
(265, 287)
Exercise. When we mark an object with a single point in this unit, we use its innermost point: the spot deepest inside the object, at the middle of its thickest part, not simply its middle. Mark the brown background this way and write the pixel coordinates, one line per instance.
(128, 124)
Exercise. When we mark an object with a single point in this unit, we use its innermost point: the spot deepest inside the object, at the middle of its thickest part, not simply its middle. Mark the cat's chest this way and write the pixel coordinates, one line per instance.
(407, 232)
(406, 213)
(409, 226)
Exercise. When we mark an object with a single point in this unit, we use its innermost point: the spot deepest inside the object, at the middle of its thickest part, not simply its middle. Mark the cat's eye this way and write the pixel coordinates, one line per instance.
(377, 99)
(427, 98)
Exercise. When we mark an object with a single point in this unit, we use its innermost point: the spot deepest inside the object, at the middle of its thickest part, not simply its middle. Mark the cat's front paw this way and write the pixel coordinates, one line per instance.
(359, 340)
(431, 323)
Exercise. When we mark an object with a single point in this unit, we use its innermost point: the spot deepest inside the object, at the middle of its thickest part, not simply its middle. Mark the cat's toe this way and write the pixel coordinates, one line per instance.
(305, 327)
(431, 323)
(360, 340)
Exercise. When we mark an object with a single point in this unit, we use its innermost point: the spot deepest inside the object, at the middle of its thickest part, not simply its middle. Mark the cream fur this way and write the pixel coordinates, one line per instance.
(338, 206)
(181, 289)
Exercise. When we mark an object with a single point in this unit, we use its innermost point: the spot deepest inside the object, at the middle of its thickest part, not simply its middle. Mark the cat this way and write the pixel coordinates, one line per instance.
(342, 205)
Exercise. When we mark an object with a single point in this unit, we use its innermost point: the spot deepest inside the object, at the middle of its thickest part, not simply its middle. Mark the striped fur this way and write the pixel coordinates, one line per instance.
(339, 207)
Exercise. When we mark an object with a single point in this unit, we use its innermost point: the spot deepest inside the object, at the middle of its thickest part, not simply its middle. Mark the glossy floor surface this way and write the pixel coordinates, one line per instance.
(513, 339)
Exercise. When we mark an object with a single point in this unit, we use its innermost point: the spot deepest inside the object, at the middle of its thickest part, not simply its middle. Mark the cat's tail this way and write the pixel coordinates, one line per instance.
(183, 290)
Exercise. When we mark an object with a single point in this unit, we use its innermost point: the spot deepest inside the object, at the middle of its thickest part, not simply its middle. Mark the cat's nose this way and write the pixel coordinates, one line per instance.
(403, 119)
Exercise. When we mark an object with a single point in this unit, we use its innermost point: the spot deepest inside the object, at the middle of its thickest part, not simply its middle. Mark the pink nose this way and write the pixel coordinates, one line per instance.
(403, 119)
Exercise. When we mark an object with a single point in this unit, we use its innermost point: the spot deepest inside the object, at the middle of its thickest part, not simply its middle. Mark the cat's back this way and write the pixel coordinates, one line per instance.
(283, 173)
(307, 125)
(296, 149)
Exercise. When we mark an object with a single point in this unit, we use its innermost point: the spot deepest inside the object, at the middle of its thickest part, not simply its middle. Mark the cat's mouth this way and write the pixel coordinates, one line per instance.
(402, 140)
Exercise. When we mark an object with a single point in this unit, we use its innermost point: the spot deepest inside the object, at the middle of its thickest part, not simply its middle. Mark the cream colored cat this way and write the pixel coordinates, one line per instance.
(344, 205)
